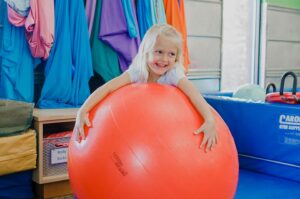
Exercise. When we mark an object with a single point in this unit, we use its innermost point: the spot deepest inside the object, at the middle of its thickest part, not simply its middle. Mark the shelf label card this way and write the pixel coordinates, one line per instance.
(59, 155)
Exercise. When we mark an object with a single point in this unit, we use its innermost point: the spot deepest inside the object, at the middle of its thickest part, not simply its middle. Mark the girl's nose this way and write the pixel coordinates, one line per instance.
(165, 57)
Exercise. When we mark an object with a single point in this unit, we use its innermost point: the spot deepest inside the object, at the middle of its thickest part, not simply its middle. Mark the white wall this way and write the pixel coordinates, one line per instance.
(204, 36)
(239, 63)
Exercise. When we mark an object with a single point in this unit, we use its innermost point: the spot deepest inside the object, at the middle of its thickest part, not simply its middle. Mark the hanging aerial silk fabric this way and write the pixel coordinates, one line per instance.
(150, 12)
(146, 16)
(90, 7)
(17, 65)
(105, 59)
(130, 18)
(160, 12)
(22, 7)
(15, 18)
(2, 13)
(113, 31)
(40, 27)
(69, 66)
(176, 17)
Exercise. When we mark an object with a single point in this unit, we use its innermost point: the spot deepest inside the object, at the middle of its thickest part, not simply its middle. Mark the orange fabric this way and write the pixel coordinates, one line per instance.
(176, 17)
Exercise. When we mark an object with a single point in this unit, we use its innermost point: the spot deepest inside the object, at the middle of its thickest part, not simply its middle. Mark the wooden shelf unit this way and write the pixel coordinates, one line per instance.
(50, 117)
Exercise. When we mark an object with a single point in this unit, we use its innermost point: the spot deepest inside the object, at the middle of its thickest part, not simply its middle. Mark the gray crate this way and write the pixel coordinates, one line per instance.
(55, 156)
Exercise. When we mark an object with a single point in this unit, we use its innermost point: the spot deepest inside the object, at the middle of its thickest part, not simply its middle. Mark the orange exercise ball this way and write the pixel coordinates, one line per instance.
(141, 145)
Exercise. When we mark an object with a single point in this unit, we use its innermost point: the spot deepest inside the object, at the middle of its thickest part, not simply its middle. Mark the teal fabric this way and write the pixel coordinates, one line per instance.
(16, 116)
(105, 60)
(161, 12)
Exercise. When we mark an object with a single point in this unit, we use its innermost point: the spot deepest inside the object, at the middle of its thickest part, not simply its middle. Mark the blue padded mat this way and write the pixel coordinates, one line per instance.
(16, 186)
(267, 136)
(254, 185)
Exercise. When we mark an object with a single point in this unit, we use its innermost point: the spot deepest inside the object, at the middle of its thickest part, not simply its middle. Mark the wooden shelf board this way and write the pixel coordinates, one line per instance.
(41, 115)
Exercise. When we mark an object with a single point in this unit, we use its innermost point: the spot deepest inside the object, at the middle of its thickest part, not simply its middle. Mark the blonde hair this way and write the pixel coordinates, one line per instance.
(139, 63)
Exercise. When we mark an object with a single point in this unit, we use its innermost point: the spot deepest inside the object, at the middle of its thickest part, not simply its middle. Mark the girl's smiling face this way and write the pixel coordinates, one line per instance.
(163, 56)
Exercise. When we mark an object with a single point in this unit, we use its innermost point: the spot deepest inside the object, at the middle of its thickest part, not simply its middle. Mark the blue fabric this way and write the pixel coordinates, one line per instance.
(16, 186)
(146, 15)
(150, 12)
(69, 66)
(2, 13)
(254, 185)
(130, 20)
(17, 65)
(267, 135)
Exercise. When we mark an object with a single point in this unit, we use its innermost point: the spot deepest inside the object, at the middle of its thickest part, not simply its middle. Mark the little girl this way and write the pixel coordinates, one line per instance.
(159, 60)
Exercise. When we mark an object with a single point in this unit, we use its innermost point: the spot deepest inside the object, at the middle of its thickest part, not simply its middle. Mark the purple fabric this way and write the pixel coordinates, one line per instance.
(90, 13)
(114, 32)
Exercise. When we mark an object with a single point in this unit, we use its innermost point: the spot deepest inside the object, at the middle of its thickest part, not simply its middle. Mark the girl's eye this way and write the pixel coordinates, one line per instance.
(172, 54)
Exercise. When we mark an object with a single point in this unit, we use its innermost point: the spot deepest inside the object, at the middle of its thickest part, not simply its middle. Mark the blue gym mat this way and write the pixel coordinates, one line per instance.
(267, 137)
(253, 185)
(16, 186)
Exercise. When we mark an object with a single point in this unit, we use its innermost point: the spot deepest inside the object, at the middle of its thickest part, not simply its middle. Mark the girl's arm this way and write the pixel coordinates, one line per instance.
(208, 127)
(101, 92)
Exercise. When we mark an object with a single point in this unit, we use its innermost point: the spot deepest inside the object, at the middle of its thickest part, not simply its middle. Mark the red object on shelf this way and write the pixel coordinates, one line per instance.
(285, 97)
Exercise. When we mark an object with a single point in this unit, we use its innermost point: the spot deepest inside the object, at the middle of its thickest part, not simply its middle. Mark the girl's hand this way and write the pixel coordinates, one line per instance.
(210, 137)
(81, 120)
